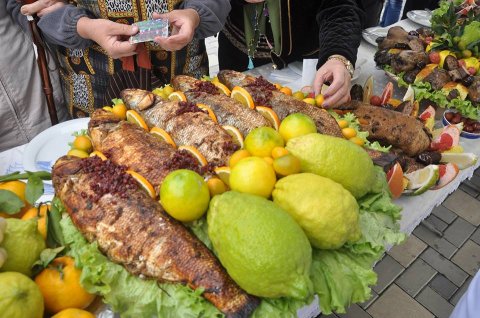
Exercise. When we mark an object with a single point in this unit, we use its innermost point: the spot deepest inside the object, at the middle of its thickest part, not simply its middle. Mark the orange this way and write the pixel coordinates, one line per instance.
(60, 286)
(147, 186)
(77, 153)
(241, 95)
(41, 214)
(224, 174)
(395, 180)
(209, 111)
(177, 97)
(286, 165)
(237, 156)
(277, 86)
(98, 154)
(270, 115)
(357, 140)
(120, 110)
(82, 143)
(349, 132)
(298, 95)
(222, 88)
(74, 313)
(310, 101)
(216, 186)
(18, 188)
(235, 133)
(286, 91)
(135, 118)
(162, 134)
(342, 123)
(278, 152)
(194, 152)
(319, 100)
(269, 160)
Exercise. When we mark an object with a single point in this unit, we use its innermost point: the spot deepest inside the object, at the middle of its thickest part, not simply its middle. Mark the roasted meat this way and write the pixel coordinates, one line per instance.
(408, 60)
(264, 93)
(129, 145)
(186, 123)
(133, 230)
(392, 128)
(227, 110)
(398, 38)
(438, 78)
(474, 90)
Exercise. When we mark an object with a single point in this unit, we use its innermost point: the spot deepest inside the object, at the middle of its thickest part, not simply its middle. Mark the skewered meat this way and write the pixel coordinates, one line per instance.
(437, 78)
(186, 123)
(264, 93)
(227, 110)
(133, 230)
(408, 60)
(450, 63)
(409, 76)
(474, 90)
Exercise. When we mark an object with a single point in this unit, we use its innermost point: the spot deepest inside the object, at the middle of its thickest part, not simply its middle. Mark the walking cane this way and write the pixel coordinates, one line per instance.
(43, 67)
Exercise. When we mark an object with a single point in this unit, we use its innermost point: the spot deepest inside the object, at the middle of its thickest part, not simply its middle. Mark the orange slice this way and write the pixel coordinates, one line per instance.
(147, 186)
(241, 95)
(235, 133)
(135, 118)
(222, 88)
(98, 154)
(107, 108)
(162, 134)
(194, 152)
(177, 97)
(209, 111)
(270, 115)
(224, 174)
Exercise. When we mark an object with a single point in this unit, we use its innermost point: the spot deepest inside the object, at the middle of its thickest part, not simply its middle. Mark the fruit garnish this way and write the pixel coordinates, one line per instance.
(222, 88)
(298, 95)
(224, 174)
(177, 96)
(98, 154)
(41, 214)
(269, 160)
(261, 141)
(82, 142)
(296, 125)
(277, 86)
(387, 93)
(270, 115)
(194, 151)
(429, 112)
(286, 90)
(77, 153)
(286, 165)
(253, 175)
(73, 313)
(421, 180)
(462, 160)
(395, 180)
(394, 102)
(147, 186)
(209, 111)
(168, 89)
(434, 57)
(107, 108)
(319, 99)
(447, 173)
(349, 132)
(376, 100)
(449, 137)
(237, 156)
(235, 133)
(310, 100)
(162, 134)
(120, 110)
(134, 118)
(184, 195)
(216, 186)
(278, 152)
(342, 123)
(308, 91)
(368, 89)
(241, 95)
(455, 149)
(409, 95)
(358, 141)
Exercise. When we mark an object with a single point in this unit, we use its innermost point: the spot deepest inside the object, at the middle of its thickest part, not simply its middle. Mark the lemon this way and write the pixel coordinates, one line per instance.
(310, 101)
(253, 175)
(82, 143)
(73, 313)
(421, 180)
(269, 160)
(216, 186)
(462, 160)
(184, 195)
(261, 141)
(20, 297)
(286, 165)
(296, 125)
(77, 153)
(168, 89)
(298, 95)
(237, 156)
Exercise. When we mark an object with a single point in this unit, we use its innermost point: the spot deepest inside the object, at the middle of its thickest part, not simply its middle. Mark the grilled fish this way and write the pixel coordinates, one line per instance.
(133, 230)
(264, 93)
(129, 145)
(227, 110)
(392, 128)
(186, 123)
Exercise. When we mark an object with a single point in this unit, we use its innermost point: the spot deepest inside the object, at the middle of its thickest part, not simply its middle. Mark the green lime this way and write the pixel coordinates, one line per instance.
(20, 297)
(184, 195)
(421, 180)
(261, 141)
(253, 175)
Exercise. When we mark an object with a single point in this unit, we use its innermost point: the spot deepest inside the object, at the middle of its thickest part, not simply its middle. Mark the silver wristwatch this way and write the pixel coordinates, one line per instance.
(345, 61)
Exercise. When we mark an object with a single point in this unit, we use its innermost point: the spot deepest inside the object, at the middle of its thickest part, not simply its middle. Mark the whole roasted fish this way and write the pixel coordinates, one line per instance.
(227, 110)
(392, 128)
(132, 229)
(265, 93)
(129, 145)
(186, 123)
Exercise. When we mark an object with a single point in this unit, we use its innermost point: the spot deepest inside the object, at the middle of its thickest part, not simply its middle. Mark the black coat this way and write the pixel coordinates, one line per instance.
(310, 28)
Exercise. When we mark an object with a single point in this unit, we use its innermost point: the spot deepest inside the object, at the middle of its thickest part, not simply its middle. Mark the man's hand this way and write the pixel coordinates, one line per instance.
(184, 22)
(111, 36)
(41, 7)
(335, 72)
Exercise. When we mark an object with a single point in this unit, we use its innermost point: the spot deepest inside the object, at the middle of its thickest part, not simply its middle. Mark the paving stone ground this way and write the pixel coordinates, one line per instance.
(427, 275)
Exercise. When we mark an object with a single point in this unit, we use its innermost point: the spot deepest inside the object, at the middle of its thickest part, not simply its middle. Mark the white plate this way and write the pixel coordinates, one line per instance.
(42, 152)
(421, 17)
(371, 34)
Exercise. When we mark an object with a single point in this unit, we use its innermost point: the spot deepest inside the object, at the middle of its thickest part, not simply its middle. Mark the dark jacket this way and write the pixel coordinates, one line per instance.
(310, 28)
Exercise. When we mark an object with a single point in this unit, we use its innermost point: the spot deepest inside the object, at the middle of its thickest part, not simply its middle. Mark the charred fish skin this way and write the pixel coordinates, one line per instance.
(264, 93)
(186, 123)
(227, 110)
(133, 230)
(127, 144)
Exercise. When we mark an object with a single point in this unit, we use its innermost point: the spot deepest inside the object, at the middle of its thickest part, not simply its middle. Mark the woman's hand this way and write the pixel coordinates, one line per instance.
(184, 22)
(111, 36)
(335, 72)
(41, 7)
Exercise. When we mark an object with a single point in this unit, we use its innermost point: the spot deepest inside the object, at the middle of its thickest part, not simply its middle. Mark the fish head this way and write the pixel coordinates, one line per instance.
(100, 124)
(233, 78)
(184, 83)
(137, 99)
